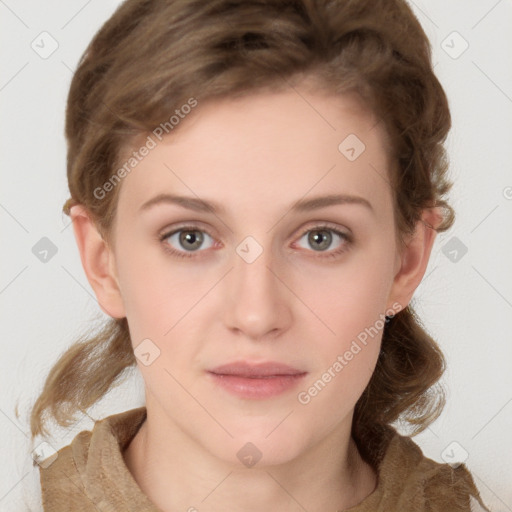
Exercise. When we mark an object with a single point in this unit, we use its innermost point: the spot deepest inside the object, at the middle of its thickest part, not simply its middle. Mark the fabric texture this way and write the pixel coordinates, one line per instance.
(90, 474)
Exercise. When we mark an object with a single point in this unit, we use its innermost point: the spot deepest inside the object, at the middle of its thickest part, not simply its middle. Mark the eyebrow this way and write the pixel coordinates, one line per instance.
(303, 205)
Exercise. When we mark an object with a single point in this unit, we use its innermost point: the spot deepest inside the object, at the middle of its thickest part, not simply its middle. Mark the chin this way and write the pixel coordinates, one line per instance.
(256, 448)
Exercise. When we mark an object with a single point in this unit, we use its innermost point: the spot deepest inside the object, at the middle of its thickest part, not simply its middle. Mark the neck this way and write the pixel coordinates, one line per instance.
(176, 474)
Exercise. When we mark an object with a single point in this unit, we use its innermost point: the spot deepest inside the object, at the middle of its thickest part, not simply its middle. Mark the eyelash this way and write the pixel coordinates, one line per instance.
(321, 227)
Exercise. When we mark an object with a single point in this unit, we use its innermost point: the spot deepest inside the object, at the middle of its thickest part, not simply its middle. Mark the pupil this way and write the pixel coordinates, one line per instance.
(191, 238)
(322, 241)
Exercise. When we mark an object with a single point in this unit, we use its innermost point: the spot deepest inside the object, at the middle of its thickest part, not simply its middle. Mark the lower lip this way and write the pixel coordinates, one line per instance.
(257, 388)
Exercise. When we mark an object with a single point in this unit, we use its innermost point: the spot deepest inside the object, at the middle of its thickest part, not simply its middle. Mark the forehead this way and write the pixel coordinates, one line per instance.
(265, 150)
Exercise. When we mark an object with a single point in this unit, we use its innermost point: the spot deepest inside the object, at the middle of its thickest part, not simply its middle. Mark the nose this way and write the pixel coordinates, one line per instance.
(257, 300)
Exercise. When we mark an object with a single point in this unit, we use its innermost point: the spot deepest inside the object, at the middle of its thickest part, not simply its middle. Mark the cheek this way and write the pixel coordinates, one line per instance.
(349, 306)
(348, 349)
(351, 297)
(163, 303)
(155, 291)
(343, 300)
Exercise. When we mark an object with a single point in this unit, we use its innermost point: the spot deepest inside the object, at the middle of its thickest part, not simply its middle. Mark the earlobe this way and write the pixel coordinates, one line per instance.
(97, 261)
(414, 258)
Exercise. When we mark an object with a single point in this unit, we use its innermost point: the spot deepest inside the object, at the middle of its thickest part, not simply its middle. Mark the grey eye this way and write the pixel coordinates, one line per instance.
(321, 239)
(188, 239)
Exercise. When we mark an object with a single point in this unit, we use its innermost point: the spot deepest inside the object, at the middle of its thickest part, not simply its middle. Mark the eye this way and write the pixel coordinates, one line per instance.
(320, 238)
(186, 239)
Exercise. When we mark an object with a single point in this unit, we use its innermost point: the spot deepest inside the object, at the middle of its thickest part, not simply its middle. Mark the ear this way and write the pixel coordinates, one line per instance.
(412, 263)
(98, 262)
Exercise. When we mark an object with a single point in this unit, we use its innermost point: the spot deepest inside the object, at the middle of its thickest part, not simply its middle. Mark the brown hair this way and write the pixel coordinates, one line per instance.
(152, 56)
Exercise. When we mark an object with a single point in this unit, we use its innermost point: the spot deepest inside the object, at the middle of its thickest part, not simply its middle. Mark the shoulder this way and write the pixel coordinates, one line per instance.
(69, 477)
(413, 481)
(60, 475)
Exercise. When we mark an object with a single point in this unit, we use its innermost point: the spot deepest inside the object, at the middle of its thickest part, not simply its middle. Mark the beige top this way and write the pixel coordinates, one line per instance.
(90, 474)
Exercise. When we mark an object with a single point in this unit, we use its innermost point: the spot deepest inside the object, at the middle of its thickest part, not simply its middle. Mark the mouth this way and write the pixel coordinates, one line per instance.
(256, 381)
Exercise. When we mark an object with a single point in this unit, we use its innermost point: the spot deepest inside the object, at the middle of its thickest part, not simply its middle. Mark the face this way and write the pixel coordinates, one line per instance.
(257, 278)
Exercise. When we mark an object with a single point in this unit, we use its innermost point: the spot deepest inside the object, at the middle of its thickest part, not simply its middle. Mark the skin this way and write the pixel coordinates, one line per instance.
(256, 156)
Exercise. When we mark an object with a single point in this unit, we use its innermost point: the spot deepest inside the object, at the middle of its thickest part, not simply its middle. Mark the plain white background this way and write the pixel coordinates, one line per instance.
(465, 298)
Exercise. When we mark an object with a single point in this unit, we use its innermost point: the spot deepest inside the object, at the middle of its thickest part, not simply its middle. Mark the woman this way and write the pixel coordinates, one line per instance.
(255, 192)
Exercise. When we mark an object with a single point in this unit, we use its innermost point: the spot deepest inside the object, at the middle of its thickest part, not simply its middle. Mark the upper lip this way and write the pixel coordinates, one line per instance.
(246, 369)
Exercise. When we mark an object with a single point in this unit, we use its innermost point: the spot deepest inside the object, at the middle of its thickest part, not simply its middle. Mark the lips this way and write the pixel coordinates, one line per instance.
(257, 371)
(251, 381)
